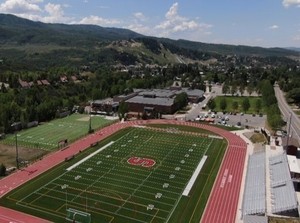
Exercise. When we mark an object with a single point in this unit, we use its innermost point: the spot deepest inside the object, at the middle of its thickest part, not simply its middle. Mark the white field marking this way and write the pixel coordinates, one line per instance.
(215, 137)
(89, 156)
(101, 195)
(112, 213)
(194, 177)
(139, 126)
(40, 210)
(58, 177)
(135, 190)
(129, 178)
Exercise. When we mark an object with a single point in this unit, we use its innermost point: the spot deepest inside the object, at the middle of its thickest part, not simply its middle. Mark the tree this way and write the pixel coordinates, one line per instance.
(250, 89)
(233, 89)
(211, 104)
(235, 105)
(2, 170)
(223, 103)
(225, 88)
(242, 89)
(181, 100)
(246, 104)
(294, 94)
(123, 109)
(258, 105)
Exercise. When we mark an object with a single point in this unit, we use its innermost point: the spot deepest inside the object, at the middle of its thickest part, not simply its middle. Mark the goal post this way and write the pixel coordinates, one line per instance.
(77, 216)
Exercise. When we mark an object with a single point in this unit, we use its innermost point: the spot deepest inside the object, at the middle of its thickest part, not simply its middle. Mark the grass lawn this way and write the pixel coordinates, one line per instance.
(47, 135)
(139, 176)
(239, 100)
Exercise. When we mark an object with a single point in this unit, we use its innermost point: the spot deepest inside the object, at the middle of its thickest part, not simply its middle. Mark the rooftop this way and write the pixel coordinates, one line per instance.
(151, 101)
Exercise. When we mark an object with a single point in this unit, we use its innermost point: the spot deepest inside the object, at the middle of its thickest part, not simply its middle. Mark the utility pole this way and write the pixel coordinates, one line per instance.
(90, 121)
(289, 132)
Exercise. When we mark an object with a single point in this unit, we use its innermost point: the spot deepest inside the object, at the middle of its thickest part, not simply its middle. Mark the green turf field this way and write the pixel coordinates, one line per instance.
(239, 100)
(47, 135)
(111, 185)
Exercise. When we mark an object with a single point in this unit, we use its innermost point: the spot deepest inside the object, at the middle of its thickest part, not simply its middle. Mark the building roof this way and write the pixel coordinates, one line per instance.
(107, 101)
(151, 101)
(45, 82)
(160, 93)
(293, 164)
(193, 92)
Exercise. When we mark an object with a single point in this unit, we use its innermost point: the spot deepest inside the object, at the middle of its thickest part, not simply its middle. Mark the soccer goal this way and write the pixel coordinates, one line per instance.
(76, 216)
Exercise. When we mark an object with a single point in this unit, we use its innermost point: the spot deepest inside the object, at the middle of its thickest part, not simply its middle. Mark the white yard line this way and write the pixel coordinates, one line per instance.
(194, 177)
(89, 156)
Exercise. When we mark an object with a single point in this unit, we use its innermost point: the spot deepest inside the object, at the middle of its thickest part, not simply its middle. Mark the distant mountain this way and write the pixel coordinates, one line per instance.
(41, 45)
(293, 48)
(23, 31)
(231, 49)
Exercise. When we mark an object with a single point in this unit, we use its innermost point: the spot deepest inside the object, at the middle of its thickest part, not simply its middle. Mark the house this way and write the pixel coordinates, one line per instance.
(45, 82)
(64, 79)
(24, 84)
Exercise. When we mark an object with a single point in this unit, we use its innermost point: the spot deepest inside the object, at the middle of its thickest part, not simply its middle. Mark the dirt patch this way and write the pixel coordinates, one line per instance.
(283, 220)
(8, 154)
(84, 119)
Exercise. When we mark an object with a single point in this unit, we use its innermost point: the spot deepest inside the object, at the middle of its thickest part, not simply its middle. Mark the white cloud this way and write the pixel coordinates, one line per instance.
(274, 27)
(296, 38)
(55, 14)
(96, 20)
(174, 23)
(172, 13)
(20, 6)
(139, 16)
(288, 3)
(139, 28)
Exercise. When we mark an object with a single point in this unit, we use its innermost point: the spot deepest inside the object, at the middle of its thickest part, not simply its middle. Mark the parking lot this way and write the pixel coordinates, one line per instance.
(239, 119)
(244, 120)
(235, 120)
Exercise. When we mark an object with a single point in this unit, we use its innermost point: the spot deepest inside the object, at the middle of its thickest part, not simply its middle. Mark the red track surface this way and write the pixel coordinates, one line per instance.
(221, 207)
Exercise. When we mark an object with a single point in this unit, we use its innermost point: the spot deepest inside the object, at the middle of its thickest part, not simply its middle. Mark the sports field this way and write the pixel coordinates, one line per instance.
(47, 135)
(137, 175)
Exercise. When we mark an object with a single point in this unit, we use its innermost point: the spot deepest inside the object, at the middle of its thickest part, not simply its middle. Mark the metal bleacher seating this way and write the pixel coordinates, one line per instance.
(255, 186)
(282, 189)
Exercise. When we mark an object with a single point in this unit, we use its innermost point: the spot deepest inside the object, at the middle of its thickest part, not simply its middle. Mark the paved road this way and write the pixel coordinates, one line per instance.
(288, 114)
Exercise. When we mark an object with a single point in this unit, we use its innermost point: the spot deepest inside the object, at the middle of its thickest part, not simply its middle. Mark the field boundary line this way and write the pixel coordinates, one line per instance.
(191, 182)
(89, 156)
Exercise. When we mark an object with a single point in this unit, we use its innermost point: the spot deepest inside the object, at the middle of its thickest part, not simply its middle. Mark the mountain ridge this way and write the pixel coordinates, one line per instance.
(32, 41)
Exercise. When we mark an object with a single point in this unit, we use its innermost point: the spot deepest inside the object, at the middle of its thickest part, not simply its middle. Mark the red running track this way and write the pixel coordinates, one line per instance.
(223, 201)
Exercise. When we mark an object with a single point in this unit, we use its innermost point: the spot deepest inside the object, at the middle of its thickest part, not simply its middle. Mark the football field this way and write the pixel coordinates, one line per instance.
(138, 175)
(47, 135)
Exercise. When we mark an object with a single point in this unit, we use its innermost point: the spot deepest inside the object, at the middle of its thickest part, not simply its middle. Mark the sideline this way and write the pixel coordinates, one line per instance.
(89, 156)
(194, 177)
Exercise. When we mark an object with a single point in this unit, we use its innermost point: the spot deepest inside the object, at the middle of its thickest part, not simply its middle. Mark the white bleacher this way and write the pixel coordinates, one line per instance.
(255, 186)
(282, 189)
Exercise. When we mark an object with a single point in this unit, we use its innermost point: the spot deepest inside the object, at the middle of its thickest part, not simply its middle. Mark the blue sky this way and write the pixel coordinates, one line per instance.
(267, 23)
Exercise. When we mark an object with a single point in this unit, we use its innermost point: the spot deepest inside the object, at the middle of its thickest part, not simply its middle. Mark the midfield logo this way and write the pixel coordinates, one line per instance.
(138, 161)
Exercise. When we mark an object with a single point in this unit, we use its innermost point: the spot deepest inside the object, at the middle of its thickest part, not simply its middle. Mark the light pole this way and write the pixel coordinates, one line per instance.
(289, 132)
(90, 121)
(14, 126)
